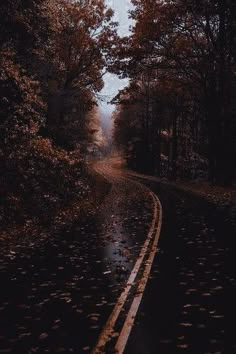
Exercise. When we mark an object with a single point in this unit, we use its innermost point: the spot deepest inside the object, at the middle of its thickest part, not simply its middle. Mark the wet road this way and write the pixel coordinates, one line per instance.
(189, 303)
(58, 293)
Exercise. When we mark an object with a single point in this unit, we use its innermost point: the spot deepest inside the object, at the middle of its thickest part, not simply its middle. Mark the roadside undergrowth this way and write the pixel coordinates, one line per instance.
(44, 187)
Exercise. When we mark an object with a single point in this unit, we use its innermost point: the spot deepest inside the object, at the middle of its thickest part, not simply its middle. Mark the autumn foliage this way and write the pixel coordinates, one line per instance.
(53, 54)
(177, 118)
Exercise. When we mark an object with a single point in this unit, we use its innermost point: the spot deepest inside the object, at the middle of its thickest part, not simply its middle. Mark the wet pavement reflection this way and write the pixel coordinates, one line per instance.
(189, 303)
(57, 292)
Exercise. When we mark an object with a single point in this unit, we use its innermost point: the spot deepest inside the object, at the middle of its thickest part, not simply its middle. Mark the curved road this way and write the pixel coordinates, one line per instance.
(189, 304)
(115, 334)
(57, 294)
(109, 284)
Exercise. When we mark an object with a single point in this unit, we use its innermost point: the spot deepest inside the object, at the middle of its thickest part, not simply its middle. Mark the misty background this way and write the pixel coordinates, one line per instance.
(112, 83)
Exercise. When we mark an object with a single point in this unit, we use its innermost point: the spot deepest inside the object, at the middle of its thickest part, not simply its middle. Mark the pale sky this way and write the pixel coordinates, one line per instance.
(112, 83)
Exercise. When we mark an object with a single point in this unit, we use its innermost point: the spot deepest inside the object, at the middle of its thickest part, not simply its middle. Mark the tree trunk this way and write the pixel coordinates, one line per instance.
(174, 147)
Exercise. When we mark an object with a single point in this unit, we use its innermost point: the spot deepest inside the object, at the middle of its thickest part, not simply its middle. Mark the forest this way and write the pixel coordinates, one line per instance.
(53, 55)
(177, 117)
(117, 224)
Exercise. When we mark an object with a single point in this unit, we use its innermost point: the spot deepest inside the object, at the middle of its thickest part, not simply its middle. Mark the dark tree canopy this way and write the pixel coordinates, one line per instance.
(53, 56)
(180, 59)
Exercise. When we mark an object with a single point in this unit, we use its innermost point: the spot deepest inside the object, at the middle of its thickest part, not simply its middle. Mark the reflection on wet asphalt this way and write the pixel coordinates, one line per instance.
(189, 303)
(57, 294)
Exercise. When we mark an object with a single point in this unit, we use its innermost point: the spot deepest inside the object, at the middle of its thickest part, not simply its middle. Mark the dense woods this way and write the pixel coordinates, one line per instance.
(177, 117)
(53, 56)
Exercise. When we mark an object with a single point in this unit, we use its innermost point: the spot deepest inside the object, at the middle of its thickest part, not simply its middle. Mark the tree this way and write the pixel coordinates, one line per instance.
(22, 108)
(52, 58)
(190, 44)
(82, 46)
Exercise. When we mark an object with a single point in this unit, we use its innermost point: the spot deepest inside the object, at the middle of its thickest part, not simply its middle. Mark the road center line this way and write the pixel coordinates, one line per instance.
(127, 327)
(107, 331)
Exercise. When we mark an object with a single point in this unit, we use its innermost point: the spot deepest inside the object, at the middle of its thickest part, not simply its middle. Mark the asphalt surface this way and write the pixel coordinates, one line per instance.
(57, 293)
(189, 303)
